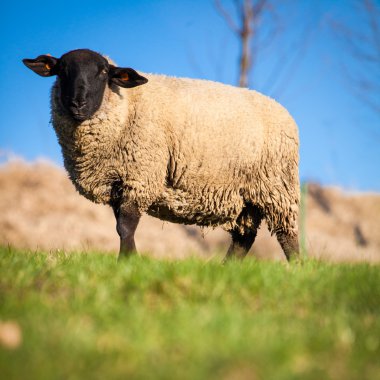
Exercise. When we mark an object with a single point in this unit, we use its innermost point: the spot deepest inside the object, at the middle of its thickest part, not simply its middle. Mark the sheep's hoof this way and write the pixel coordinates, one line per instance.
(127, 249)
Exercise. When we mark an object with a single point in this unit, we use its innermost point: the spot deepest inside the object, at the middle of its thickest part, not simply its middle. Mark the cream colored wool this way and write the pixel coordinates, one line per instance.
(187, 151)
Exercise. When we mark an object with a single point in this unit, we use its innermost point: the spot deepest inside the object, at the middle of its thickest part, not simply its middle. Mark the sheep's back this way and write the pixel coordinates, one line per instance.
(214, 128)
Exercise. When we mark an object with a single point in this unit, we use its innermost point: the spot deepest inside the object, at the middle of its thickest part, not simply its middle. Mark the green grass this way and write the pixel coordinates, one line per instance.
(89, 317)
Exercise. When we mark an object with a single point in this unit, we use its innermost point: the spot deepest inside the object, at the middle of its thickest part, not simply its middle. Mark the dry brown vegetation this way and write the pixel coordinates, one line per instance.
(39, 209)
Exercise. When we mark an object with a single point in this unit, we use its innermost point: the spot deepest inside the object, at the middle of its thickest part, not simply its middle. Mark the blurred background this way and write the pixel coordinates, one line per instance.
(320, 59)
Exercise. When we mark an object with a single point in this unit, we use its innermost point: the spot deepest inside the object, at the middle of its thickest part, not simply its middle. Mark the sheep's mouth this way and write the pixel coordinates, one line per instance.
(78, 116)
(75, 114)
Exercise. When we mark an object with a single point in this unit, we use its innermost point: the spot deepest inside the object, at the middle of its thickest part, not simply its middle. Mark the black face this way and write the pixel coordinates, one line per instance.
(83, 76)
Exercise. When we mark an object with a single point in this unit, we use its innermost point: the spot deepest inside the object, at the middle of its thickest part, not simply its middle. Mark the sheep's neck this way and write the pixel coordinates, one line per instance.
(90, 149)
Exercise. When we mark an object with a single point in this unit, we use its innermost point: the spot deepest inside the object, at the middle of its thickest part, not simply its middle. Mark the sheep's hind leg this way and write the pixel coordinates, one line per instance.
(289, 244)
(241, 244)
(127, 219)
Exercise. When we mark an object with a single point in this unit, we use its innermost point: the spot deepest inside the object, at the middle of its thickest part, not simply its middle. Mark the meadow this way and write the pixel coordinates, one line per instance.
(86, 316)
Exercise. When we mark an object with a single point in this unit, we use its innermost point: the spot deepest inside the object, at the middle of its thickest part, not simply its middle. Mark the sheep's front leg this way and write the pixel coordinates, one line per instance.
(127, 219)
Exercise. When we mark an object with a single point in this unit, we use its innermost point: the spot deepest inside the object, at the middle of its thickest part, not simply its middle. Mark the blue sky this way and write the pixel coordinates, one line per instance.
(339, 135)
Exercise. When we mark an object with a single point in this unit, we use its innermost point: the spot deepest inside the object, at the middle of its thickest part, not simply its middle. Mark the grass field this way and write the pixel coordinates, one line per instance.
(89, 317)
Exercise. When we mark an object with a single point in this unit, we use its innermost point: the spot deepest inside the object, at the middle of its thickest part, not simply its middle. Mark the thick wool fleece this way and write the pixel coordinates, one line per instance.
(187, 151)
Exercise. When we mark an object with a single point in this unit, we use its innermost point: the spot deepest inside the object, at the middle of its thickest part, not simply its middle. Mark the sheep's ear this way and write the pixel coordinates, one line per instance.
(44, 65)
(126, 77)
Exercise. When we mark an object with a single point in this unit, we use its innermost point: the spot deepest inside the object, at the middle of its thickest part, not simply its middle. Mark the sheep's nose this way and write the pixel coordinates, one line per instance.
(78, 104)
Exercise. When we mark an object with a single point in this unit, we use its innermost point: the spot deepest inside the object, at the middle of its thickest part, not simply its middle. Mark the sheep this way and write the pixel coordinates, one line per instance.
(182, 150)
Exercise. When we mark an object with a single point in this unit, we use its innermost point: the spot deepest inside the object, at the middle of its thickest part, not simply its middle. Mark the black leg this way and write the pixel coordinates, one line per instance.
(241, 244)
(127, 219)
(289, 244)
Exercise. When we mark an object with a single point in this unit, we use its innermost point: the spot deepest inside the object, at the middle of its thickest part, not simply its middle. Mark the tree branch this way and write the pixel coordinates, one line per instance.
(227, 17)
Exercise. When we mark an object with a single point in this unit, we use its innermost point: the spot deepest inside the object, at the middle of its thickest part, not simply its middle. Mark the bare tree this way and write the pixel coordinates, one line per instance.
(259, 26)
(364, 46)
(249, 13)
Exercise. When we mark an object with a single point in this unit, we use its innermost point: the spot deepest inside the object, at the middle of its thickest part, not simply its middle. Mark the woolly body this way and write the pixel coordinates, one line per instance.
(187, 151)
